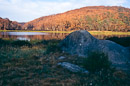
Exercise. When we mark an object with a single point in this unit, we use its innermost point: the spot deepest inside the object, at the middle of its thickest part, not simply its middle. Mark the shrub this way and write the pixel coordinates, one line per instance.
(46, 42)
(96, 61)
(52, 47)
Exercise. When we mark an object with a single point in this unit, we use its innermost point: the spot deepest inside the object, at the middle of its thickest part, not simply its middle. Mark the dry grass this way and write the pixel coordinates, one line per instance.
(29, 66)
(107, 33)
(92, 32)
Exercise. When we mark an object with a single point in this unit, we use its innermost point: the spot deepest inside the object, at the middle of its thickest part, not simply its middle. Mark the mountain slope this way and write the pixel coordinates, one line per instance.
(88, 18)
(6, 24)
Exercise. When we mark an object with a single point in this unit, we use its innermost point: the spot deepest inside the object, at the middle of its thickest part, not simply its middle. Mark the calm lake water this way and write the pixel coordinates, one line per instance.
(45, 36)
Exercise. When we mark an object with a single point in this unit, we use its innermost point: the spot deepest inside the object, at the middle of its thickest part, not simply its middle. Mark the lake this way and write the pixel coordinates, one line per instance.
(46, 36)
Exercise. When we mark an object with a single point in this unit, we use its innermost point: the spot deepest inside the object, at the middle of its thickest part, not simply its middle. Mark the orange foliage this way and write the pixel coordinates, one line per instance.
(6, 24)
(88, 18)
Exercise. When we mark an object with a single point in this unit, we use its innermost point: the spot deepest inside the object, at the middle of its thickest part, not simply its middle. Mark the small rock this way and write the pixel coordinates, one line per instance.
(91, 83)
(61, 57)
(73, 67)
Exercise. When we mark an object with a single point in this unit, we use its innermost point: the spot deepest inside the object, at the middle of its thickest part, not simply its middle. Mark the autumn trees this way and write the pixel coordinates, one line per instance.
(6, 24)
(99, 18)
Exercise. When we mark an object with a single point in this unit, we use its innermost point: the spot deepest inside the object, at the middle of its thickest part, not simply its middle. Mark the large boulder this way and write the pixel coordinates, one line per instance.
(82, 43)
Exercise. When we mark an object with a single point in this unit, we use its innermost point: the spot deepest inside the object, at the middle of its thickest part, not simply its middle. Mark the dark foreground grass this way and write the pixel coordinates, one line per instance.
(32, 66)
(96, 61)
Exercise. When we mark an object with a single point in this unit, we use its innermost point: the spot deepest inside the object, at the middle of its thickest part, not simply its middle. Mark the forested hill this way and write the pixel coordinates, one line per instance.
(101, 18)
(6, 24)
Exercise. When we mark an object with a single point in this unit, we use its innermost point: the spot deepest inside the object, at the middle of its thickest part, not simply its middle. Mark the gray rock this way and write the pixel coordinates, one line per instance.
(73, 67)
(61, 57)
(82, 43)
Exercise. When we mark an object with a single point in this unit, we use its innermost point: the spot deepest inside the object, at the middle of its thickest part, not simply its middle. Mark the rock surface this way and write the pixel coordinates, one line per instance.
(82, 43)
(72, 67)
(61, 58)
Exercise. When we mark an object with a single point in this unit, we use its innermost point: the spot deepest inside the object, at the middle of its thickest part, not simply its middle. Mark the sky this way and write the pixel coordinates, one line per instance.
(27, 10)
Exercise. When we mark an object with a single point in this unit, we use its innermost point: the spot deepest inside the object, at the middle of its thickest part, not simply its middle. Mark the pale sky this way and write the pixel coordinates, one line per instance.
(27, 10)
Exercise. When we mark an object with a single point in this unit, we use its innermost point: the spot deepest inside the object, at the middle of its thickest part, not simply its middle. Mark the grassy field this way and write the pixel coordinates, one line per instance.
(92, 32)
(34, 63)
(109, 33)
(35, 31)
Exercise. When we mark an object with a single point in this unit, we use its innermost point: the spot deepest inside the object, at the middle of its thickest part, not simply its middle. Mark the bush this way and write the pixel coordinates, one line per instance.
(52, 47)
(96, 62)
(46, 42)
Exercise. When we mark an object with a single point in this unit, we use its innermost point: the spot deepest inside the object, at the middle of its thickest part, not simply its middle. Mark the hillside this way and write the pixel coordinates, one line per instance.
(6, 24)
(101, 18)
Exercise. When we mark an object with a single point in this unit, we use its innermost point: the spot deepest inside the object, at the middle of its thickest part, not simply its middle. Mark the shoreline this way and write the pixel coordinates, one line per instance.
(91, 32)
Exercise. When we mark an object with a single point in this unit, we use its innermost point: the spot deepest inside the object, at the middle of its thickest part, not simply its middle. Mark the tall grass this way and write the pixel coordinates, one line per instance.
(96, 61)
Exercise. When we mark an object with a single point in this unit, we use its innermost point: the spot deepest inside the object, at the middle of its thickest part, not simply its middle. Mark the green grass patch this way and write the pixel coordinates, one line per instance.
(96, 62)
(52, 46)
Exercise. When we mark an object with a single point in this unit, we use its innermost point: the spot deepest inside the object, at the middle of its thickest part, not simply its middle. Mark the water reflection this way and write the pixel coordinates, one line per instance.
(23, 38)
(45, 36)
(23, 33)
(32, 35)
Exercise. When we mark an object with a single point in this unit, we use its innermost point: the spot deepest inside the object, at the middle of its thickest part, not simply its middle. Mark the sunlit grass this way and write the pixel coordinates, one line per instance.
(21, 52)
(92, 32)
(35, 31)
(108, 33)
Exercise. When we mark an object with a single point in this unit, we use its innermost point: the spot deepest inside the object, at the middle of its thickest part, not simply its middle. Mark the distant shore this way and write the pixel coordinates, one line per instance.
(92, 32)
